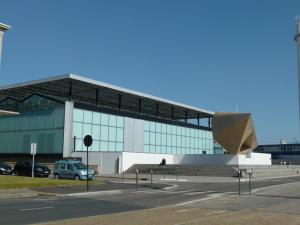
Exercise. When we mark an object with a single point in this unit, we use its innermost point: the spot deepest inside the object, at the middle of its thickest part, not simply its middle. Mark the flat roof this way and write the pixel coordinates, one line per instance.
(85, 90)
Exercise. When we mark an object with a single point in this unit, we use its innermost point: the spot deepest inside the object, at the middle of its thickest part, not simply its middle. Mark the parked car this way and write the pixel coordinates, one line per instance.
(24, 168)
(72, 169)
(5, 169)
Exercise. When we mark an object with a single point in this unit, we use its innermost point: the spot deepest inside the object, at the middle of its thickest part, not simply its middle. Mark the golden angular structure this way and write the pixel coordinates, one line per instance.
(234, 131)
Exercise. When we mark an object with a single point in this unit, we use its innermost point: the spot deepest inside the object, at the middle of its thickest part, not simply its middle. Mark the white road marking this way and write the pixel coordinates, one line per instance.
(272, 186)
(32, 209)
(172, 179)
(171, 187)
(198, 192)
(176, 192)
(212, 196)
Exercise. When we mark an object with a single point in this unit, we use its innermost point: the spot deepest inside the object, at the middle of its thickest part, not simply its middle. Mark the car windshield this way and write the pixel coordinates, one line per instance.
(80, 166)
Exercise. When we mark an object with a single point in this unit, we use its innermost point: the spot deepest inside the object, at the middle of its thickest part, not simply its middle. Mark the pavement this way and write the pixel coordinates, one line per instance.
(268, 205)
(182, 203)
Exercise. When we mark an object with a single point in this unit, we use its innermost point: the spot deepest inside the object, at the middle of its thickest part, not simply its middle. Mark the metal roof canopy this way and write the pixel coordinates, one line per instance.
(87, 91)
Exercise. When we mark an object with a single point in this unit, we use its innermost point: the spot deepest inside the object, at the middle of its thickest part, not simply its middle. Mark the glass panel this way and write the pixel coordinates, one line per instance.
(169, 140)
(146, 148)
(173, 140)
(147, 125)
(164, 139)
(104, 119)
(77, 130)
(119, 135)
(164, 128)
(95, 146)
(96, 118)
(169, 129)
(173, 129)
(152, 126)
(104, 133)
(158, 139)
(112, 121)
(158, 127)
(103, 145)
(152, 138)
(78, 115)
(112, 134)
(146, 137)
(120, 121)
(112, 146)
(119, 147)
(87, 130)
(87, 116)
(96, 132)
(78, 144)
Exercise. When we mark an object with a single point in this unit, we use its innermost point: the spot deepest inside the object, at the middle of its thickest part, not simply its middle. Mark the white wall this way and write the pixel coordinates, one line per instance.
(255, 159)
(130, 158)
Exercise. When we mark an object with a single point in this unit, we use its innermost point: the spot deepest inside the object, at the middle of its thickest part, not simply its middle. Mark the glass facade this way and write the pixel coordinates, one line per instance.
(107, 130)
(171, 139)
(41, 120)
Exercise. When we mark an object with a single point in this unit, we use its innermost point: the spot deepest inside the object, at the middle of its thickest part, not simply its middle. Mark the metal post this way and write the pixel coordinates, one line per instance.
(250, 174)
(164, 173)
(87, 168)
(32, 172)
(177, 173)
(151, 173)
(239, 176)
(123, 176)
(136, 179)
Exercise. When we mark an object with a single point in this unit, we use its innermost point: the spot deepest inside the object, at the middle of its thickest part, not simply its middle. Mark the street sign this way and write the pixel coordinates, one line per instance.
(33, 153)
(88, 140)
(33, 148)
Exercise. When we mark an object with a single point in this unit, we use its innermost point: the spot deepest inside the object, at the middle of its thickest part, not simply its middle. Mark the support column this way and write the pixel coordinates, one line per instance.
(68, 129)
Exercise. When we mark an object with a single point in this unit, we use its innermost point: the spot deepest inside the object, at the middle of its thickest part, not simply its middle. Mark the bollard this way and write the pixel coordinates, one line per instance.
(151, 173)
(250, 174)
(164, 173)
(177, 168)
(123, 176)
(136, 179)
(239, 176)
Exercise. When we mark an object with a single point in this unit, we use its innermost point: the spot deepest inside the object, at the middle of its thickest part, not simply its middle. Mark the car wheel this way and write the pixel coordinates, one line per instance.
(56, 176)
(76, 177)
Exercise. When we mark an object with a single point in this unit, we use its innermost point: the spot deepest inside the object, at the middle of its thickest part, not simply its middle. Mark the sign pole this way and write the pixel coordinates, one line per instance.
(87, 169)
(88, 140)
(32, 171)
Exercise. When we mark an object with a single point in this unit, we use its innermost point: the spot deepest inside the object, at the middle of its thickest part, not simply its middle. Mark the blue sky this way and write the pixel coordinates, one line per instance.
(210, 54)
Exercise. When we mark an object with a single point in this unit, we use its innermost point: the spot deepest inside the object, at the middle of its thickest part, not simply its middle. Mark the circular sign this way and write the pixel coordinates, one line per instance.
(88, 140)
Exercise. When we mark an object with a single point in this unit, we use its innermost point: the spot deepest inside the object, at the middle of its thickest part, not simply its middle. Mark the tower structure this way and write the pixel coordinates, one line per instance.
(3, 28)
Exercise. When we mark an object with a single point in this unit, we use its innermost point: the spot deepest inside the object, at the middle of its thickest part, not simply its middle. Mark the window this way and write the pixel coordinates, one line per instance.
(172, 139)
(107, 130)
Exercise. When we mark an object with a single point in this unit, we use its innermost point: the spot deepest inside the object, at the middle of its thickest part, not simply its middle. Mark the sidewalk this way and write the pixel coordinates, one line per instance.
(161, 178)
(109, 188)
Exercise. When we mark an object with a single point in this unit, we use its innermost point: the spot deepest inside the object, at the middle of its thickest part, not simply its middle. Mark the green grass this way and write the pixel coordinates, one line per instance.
(11, 182)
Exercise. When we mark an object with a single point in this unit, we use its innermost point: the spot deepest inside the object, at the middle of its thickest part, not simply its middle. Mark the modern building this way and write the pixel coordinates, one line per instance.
(127, 127)
(281, 153)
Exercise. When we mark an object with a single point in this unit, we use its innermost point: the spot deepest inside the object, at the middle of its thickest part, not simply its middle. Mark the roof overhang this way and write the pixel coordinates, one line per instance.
(7, 113)
(88, 91)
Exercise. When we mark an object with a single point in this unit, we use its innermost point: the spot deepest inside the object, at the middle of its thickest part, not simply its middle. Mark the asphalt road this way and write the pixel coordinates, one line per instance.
(45, 209)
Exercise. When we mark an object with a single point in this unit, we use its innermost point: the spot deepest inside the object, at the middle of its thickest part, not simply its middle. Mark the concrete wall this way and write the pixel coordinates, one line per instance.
(131, 158)
(106, 162)
(133, 135)
(68, 129)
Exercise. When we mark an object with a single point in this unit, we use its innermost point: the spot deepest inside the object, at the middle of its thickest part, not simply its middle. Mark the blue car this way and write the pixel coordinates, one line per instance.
(72, 169)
